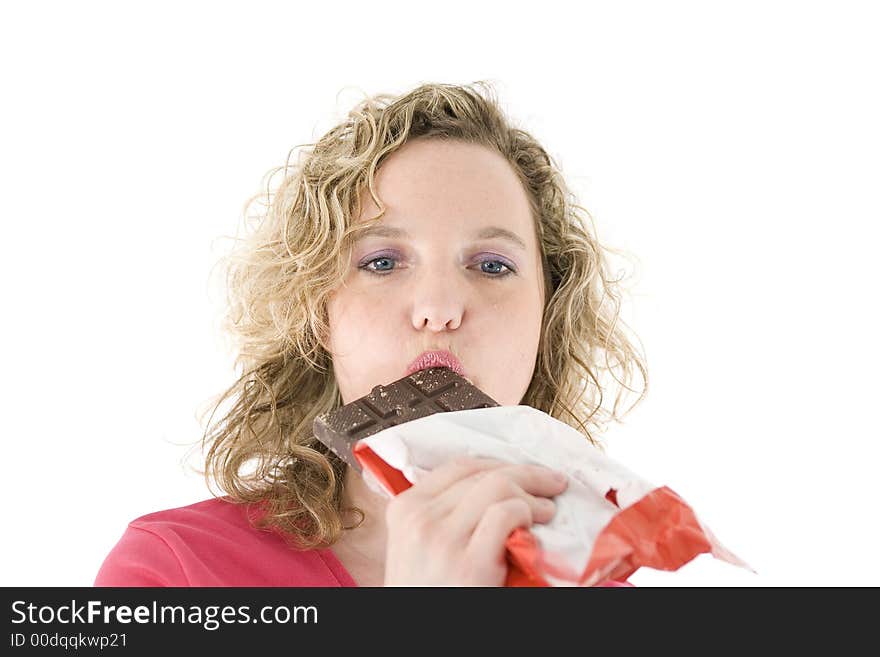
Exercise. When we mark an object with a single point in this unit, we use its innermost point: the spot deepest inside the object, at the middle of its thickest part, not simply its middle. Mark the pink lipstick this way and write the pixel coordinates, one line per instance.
(436, 359)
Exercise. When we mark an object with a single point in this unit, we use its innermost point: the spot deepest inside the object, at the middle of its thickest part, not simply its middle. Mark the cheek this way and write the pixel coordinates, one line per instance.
(358, 319)
(520, 313)
(517, 329)
(521, 332)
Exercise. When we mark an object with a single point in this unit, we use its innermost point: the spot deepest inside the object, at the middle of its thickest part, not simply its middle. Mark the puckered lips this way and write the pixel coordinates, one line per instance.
(439, 358)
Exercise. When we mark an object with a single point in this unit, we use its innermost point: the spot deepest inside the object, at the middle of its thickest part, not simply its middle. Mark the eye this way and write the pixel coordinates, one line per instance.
(379, 265)
(492, 267)
(495, 268)
(384, 264)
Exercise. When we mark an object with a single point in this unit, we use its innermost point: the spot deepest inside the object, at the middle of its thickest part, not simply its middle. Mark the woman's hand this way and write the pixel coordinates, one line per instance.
(450, 528)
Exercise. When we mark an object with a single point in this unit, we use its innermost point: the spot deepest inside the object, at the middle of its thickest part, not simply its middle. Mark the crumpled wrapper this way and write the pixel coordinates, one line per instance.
(609, 522)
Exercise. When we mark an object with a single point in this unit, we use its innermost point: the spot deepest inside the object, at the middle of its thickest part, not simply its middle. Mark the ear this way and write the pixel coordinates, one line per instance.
(322, 330)
(322, 337)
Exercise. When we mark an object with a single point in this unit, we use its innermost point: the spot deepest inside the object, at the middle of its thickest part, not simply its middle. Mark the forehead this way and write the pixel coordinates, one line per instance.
(432, 184)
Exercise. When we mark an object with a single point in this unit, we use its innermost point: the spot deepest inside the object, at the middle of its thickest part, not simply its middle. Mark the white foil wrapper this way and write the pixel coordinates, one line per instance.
(522, 434)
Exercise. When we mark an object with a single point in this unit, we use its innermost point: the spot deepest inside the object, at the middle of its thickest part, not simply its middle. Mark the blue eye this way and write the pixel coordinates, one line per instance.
(385, 263)
(497, 267)
(494, 268)
(382, 265)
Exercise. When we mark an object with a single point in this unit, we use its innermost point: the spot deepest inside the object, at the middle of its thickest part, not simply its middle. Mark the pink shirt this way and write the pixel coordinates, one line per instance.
(212, 543)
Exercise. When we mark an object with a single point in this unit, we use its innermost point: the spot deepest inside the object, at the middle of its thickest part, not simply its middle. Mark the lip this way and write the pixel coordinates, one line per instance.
(440, 358)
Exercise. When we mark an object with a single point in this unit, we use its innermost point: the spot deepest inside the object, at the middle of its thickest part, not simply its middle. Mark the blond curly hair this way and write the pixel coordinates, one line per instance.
(296, 252)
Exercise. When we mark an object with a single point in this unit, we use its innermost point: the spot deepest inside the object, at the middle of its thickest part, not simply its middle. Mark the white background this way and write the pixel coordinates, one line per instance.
(733, 149)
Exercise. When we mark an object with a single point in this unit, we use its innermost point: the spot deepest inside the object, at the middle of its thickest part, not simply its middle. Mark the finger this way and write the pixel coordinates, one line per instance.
(471, 498)
(444, 476)
(539, 480)
(491, 485)
(544, 510)
(487, 544)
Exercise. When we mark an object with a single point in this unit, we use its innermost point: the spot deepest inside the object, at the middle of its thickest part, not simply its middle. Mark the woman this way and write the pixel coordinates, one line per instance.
(422, 229)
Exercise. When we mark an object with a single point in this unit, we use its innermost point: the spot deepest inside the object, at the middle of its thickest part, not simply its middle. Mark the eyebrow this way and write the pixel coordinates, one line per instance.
(490, 232)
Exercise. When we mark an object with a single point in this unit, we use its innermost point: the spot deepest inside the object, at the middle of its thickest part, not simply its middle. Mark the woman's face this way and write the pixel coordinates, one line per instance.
(456, 266)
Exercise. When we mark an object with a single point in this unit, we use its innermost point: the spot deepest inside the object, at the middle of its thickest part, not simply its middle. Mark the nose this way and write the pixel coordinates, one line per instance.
(438, 304)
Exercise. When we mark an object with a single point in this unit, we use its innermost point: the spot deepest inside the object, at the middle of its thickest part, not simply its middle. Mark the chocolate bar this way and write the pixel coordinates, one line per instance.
(422, 393)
